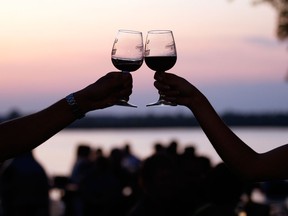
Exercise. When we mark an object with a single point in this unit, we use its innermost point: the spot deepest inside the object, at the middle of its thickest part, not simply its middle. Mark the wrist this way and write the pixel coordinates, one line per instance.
(74, 106)
(196, 100)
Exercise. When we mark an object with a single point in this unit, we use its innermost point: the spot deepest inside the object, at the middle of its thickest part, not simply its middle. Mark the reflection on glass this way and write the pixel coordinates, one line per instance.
(127, 54)
(160, 55)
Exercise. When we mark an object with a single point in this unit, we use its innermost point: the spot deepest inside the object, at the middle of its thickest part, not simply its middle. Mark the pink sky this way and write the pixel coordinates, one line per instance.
(49, 49)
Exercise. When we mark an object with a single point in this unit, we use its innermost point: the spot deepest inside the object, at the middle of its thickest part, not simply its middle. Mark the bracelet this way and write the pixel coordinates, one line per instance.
(74, 106)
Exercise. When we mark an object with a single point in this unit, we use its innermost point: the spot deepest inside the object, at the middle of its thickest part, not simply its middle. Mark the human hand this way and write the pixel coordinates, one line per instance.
(175, 89)
(105, 92)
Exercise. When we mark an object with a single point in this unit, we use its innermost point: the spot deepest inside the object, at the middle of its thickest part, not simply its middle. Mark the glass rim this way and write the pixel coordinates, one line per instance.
(129, 31)
(159, 31)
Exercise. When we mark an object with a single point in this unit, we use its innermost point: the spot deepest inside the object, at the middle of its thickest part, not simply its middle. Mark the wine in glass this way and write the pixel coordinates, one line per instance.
(160, 55)
(127, 54)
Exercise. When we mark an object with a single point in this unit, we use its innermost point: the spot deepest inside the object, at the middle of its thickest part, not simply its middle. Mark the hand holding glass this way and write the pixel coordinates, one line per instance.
(127, 54)
(160, 55)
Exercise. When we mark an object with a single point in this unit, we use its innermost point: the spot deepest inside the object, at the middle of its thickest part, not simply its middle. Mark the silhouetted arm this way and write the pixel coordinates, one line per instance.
(25, 133)
(234, 152)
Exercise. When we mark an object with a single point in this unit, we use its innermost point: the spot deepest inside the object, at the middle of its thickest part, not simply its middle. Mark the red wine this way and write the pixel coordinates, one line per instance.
(160, 63)
(126, 64)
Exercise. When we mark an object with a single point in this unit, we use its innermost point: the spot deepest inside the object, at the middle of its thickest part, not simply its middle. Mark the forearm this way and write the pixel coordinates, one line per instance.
(233, 151)
(25, 133)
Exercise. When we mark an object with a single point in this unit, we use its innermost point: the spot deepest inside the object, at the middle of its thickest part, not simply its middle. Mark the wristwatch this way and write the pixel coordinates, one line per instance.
(74, 106)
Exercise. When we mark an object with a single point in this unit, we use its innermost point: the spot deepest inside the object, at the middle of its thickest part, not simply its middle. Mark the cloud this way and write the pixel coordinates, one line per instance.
(262, 41)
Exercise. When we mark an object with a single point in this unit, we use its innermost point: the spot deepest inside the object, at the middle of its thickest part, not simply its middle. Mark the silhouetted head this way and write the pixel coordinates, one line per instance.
(83, 151)
(158, 175)
(225, 187)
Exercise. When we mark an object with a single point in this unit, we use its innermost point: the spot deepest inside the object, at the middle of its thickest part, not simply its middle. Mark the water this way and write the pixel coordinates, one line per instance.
(58, 153)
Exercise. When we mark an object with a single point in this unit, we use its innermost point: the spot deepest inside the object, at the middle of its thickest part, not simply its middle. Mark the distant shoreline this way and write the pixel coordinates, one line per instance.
(166, 121)
(239, 120)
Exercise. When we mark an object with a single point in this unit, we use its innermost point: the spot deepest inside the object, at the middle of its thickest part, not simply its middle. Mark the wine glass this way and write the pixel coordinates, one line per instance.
(160, 55)
(127, 54)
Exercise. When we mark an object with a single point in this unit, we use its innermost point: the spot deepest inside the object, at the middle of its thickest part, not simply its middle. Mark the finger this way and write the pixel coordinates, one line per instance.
(172, 100)
(169, 98)
(119, 79)
(158, 76)
(161, 86)
(127, 85)
(167, 78)
(123, 95)
(122, 92)
(171, 93)
(126, 77)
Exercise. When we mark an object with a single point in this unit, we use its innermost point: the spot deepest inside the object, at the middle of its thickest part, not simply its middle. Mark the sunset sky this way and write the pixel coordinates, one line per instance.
(229, 50)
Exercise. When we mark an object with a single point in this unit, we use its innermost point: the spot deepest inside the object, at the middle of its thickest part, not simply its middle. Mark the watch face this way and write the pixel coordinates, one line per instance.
(78, 113)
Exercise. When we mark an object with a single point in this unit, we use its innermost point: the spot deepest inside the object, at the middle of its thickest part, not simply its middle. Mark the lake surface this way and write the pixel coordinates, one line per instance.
(58, 153)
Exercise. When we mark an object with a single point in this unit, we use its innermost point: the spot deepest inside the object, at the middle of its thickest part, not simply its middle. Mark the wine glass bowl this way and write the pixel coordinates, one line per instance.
(127, 54)
(160, 55)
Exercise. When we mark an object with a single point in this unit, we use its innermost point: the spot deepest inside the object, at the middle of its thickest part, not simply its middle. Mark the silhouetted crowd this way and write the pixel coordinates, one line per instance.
(120, 184)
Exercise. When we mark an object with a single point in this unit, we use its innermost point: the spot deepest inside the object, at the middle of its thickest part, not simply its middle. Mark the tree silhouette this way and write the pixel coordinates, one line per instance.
(281, 7)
